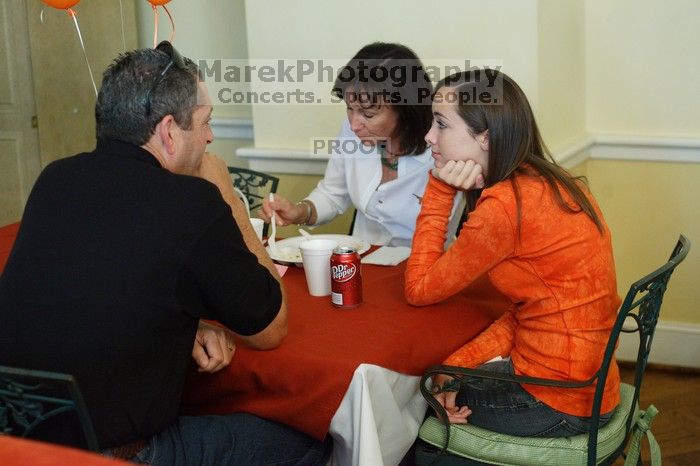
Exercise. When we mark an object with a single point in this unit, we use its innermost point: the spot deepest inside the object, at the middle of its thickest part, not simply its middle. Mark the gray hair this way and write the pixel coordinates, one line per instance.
(120, 111)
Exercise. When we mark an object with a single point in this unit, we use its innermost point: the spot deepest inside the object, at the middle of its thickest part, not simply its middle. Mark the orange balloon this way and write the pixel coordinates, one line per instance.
(61, 4)
(158, 2)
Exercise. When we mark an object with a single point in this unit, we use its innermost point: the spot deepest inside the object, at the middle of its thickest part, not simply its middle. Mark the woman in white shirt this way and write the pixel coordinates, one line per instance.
(381, 162)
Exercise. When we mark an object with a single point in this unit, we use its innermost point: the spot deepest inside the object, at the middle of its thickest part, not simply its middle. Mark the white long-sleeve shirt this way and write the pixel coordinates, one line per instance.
(386, 213)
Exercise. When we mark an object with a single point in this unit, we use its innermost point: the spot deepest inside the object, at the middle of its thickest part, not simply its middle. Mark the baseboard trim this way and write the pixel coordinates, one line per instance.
(661, 367)
(675, 344)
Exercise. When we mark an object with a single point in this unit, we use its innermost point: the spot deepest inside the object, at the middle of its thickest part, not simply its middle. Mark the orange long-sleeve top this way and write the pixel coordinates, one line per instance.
(558, 272)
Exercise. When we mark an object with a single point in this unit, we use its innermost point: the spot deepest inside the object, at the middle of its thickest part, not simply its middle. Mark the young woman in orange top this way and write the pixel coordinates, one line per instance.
(539, 235)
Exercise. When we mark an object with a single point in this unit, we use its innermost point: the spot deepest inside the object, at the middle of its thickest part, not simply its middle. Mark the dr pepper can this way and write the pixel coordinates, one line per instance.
(346, 280)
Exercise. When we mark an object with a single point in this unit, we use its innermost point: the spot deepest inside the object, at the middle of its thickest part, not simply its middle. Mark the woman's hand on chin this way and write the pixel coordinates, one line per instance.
(460, 174)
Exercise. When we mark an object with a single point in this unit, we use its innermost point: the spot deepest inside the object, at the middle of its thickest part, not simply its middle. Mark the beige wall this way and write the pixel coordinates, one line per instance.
(647, 205)
(561, 68)
(642, 75)
(204, 29)
(457, 29)
(642, 67)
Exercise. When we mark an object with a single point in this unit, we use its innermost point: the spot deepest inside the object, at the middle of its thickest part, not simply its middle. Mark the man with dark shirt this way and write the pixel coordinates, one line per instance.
(120, 255)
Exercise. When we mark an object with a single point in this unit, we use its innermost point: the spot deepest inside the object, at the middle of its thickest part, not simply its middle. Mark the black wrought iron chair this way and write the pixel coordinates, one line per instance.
(45, 406)
(253, 186)
(443, 444)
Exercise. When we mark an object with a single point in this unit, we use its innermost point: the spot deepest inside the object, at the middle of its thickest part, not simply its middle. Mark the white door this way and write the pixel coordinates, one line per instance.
(19, 148)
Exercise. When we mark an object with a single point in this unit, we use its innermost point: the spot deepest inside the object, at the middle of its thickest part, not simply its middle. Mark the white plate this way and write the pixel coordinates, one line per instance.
(288, 248)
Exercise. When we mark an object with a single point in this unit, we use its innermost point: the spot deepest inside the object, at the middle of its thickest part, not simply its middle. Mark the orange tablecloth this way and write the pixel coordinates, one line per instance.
(7, 239)
(302, 382)
(20, 452)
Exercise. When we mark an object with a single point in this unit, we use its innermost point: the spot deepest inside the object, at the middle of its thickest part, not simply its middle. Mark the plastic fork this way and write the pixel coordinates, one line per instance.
(273, 230)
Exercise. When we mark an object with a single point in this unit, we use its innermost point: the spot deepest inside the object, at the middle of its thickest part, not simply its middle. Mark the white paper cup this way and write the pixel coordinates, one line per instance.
(316, 257)
(258, 225)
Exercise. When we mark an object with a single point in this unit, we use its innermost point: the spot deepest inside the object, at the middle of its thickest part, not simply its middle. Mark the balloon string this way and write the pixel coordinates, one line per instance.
(172, 24)
(155, 26)
(80, 36)
(121, 15)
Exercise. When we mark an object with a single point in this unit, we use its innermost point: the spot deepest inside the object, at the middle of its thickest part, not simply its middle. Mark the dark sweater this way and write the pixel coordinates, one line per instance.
(115, 262)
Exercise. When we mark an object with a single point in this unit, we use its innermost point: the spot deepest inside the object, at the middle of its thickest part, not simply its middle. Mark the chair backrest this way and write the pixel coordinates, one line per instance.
(352, 223)
(641, 307)
(254, 185)
(45, 406)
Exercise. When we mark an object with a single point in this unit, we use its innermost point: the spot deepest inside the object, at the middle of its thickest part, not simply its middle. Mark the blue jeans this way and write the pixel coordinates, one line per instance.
(235, 439)
(507, 408)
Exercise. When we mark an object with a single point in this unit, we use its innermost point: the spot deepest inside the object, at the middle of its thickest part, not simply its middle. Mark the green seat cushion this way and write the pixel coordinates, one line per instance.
(480, 444)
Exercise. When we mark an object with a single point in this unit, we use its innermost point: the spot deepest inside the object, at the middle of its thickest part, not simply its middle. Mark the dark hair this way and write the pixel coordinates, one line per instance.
(392, 74)
(120, 111)
(515, 143)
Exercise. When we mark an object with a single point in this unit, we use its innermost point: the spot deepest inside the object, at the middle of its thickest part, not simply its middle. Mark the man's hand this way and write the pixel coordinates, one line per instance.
(214, 169)
(460, 174)
(213, 347)
(456, 415)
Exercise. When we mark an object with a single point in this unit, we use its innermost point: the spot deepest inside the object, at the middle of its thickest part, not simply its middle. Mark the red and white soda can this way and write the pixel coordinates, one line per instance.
(346, 279)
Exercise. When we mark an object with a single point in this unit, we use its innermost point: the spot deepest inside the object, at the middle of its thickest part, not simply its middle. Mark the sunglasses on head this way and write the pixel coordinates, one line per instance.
(175, 59)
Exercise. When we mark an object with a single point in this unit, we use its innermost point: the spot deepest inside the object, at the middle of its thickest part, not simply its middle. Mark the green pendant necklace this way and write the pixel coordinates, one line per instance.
(390, 165)
(385, 161)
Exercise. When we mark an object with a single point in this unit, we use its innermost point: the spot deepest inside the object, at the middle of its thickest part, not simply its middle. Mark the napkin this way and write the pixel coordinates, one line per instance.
(387, 255)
